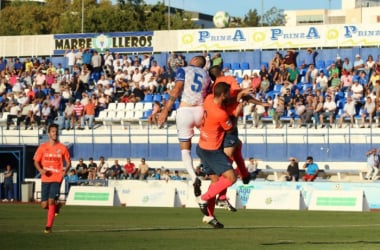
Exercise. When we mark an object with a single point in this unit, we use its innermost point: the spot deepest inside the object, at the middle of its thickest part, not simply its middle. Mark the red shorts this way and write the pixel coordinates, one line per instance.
(308, 177)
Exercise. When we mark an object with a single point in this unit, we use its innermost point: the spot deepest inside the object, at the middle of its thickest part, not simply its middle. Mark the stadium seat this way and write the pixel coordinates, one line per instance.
(235, 66)
(226, 65)
(111, 106)
(244, 65)
(120, 106)
(148, 98)
(148, 106)
(157, 97)
(130, 106)
(139, 106)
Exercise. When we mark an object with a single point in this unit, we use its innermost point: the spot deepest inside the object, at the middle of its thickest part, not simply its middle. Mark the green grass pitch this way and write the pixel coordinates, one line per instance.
(111, 228)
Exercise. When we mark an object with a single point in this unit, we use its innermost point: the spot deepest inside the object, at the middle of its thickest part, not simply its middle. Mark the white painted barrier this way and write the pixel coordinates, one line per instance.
(91, 196)
(275, 199)
(338, 201)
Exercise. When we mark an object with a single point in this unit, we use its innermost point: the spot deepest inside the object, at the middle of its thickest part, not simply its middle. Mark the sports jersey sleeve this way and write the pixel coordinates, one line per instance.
(180, 75)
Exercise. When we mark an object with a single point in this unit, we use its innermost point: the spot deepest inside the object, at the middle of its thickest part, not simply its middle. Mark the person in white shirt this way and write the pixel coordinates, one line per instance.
(70, 59)
(368, 111)
(322, 80)
(348, 111)
(357, 90)
(329, 108)
(103, 81)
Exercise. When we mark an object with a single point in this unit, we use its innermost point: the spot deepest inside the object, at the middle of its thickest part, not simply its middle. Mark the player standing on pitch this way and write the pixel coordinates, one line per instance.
(49, 161)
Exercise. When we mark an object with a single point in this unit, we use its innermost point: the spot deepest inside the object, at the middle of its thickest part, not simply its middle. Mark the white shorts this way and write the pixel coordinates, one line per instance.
(187, 118)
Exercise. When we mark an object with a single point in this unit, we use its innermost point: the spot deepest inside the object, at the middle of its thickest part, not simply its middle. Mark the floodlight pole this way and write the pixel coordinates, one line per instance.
(82, 24)
(169, 16)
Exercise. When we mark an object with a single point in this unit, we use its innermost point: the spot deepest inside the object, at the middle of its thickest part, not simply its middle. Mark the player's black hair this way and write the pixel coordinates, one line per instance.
(215, 72)
(221, 88)
(53, 125)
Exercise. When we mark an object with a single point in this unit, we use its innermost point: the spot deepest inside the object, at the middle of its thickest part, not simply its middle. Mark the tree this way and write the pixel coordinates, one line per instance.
(251, 19)
(274, 17)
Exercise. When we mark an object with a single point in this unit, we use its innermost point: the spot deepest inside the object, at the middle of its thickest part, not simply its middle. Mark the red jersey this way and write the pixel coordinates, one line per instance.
(51, 159)
(234, 90)
(215, 122)
(129, 168)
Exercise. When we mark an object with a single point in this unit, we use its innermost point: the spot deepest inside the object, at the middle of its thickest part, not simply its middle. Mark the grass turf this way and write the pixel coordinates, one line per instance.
(21, 227)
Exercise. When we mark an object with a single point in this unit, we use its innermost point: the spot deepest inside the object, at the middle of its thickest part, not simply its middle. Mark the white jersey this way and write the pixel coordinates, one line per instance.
(196, 84)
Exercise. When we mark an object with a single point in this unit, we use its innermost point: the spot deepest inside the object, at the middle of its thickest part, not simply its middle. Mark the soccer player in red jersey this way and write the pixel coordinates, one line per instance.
(49, 160)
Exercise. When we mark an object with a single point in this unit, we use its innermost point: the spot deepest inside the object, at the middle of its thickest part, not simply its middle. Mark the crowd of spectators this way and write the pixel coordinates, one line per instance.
(34, 92)
(316, 93)
(91, 173)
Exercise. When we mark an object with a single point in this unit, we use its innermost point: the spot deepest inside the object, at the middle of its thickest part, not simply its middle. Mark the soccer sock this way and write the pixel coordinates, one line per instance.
(50, 216)
(211, 206)
(242, 170)
(223, 195)
(219, 186)
(188, 163)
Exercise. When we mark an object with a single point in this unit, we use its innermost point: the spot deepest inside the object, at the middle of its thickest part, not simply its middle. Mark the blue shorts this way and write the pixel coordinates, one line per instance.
(230, 140)
(50, 190)
(214, 161)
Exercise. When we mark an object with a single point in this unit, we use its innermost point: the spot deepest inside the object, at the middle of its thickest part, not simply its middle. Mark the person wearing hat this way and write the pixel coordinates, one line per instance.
(311, 169)
(358, 64)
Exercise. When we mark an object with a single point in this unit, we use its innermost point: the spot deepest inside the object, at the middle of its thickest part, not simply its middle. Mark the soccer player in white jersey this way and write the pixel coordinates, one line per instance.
(192, 84)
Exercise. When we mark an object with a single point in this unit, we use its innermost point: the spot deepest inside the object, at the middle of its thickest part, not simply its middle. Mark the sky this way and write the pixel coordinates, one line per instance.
(239, 8)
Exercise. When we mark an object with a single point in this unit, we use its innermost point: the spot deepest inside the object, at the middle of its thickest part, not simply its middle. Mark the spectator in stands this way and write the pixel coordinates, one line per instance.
(208, 60)
(309, 57)
(71, 179)
(102, 168)
(115, 171)
(335, 82)
(322, 81)
(257, 113)
(292, 172)
(130, 172)
(357, 90)
(157, 174)
(372, 164)
(346, 81)
(172, 62)
(348, 111)
(374, 81)
(309, 112)
(289, 58)
(359, 64)
(217, 60)
(68, 115)
(293, 75)
(279, 112)
(329, 108)
(246, 82)
(166, 176)
(143, 169)
(176, 176)
(255, 82)
(82, 170)
(369, 64)
(92, 167)
(378, 111)
(8, 184)
(252, 167)
(88, 114)
(311, 169)
(368, 111)
(347, 65)
(277, 60)
(14, 113)
(311, 74)
(78, 113)
(264, 86)
(70, 55)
